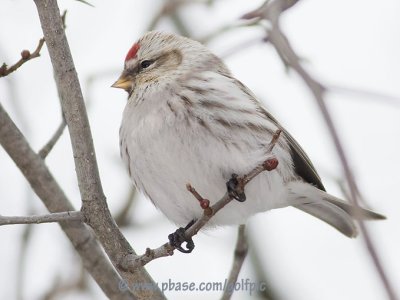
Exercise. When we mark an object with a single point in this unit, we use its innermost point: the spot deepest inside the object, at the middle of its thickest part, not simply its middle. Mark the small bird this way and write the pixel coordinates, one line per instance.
(188, 120)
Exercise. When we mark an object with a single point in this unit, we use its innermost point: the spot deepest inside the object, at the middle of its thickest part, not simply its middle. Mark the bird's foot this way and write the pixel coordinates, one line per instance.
(177, 238)
(234, 189)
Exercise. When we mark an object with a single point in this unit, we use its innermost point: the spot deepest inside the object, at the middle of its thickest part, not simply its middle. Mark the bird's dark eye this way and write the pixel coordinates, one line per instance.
(146, 63)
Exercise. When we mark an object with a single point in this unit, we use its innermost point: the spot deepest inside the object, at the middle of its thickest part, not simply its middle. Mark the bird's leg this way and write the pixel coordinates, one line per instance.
(177, 238)
(235, 188)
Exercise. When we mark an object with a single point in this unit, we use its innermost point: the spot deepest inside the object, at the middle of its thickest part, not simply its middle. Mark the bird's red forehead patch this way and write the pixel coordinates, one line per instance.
(132, 52)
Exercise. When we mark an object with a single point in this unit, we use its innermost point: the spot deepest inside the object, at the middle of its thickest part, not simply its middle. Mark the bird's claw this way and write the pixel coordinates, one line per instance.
(233, 191)
(177, 238)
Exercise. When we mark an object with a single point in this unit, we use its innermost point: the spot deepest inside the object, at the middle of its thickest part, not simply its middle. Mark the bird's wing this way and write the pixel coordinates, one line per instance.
(302, 164)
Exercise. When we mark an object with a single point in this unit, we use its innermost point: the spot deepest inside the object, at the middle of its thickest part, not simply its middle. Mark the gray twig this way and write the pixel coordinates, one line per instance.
(240, 254)
(121, 218)
(366, 94)
(226, 28)
(21, 261)
(257, 259)
(68, 216)
(53, 140)
(168, 8)
(74, 284)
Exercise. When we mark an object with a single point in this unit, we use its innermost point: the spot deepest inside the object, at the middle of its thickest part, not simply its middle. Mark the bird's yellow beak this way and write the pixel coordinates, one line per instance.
(123, 82)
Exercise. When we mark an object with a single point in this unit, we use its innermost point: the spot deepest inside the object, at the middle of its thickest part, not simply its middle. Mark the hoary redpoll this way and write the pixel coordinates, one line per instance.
(188, 120)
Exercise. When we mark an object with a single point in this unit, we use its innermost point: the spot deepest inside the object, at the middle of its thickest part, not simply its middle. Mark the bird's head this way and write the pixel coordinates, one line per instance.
(160, 55)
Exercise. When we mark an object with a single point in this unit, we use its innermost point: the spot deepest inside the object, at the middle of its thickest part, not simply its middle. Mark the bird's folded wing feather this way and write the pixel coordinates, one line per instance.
(303, 166)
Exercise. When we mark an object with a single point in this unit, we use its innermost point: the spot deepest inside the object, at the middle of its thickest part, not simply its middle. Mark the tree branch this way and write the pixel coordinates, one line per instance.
(271, 12)
(257, 259)
(53, 140)
(168, 8)
(25, 56)
(240, 254)
(60, 289)
(68, 216)
(48, 190)
(132, 261)
(366, 94)
(94, 205)
(281, 44)
(122, 217)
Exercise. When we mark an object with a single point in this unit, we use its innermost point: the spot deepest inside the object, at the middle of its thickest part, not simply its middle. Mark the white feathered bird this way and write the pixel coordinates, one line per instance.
(188, 120)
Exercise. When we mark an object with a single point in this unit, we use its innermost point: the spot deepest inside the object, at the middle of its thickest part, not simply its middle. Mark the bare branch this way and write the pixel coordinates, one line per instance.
(241, 46)
(226, 28)
(169, 9)
(121, 218)
(25, 56)
(381, 97)
(180, 25)
(270, 9)
(257, 261)
(68, 216)
(53, 140)
(94, 205)
(131, 262)
(240, 254)
(281, 44)
(48, 190)
(21, 261)
(74, 284)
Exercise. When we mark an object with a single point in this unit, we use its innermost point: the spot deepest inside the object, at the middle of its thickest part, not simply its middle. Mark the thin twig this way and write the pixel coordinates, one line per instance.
(121, 218)
(75, 283)
(25, 56)
(280, 42)
(269, 8)
(240, 254)
(257, 262)
(241, 46)
(53, 140)
(69, 216)
(131, 262)
(179, 23)
(226, 28)
(381, 97)
(167, 9)
(26, 237)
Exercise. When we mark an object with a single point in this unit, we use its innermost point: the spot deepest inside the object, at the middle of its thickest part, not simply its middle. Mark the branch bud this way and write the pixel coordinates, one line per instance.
(3, 69)
(205, 203)
(270, 164)
(25, 54)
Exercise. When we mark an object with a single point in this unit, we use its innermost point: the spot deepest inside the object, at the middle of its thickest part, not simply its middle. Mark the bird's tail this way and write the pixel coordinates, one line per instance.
(334, 211)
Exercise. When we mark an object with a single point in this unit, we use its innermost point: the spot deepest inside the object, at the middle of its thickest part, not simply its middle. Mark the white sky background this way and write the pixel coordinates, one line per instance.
(344, 43)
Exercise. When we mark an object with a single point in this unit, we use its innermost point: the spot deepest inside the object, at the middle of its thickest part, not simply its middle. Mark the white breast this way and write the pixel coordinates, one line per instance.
(167, 143)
